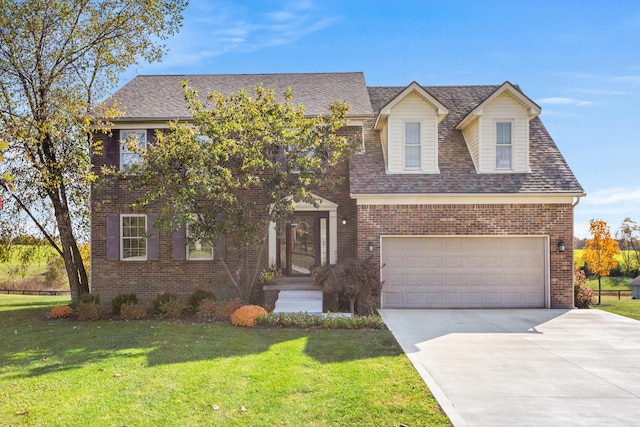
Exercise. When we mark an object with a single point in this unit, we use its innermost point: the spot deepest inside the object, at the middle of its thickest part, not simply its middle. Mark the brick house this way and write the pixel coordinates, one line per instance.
(459, 194)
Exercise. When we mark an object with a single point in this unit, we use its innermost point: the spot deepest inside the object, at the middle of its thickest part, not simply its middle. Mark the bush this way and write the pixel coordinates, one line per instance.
(198, 296)
(89, 299)
(584, 296)
(225, 311)
(329, 321)
(55, 274)
(163, 298)
(120, 299)
(133, 311)
(89, 311)
(174, 308)
(357, 279)
(248, 315)
(207, 308)
(61, 311)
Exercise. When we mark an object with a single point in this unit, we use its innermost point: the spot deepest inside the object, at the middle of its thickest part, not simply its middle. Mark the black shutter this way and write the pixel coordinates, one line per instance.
(113, 237)
(179, 244)
(153, 238)
(112, 149)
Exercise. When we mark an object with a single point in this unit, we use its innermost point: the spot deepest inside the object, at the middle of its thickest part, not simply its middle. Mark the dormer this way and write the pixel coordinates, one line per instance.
(497, 131)
(408, 126)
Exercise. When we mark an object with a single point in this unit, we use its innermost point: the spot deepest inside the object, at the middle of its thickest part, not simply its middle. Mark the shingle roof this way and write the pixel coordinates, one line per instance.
(549, 171)
(160, 97)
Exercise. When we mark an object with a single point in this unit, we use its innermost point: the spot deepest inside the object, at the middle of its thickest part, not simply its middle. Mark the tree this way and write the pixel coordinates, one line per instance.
(629, 237)
(237, 168)
(599, 252)
(56, 59)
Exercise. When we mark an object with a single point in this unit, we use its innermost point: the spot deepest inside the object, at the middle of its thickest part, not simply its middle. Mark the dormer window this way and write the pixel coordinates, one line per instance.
(503, 145)
(412, 145)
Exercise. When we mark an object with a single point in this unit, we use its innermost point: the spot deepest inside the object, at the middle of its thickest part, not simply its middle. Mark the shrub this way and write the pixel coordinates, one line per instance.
(88, 311)
(225, 311)
(174, 308)
(120, 299)
(163, 298)
(133, 311)
(356, 279)
(55, 274)
(89, 299)
(328, 321)
(207, 308)
(584, 296)
(61, 311)
(248, 315)
(197, 297)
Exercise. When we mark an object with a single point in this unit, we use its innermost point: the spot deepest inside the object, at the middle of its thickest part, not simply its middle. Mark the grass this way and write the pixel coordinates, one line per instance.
(624, 307)
(610, 283)
(36, 266)
(172, 373)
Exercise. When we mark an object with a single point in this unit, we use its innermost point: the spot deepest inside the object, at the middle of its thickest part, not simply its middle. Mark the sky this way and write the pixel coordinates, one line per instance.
(578, 60)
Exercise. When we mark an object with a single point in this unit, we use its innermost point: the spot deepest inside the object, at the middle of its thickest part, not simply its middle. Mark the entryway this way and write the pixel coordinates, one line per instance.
(303, 243)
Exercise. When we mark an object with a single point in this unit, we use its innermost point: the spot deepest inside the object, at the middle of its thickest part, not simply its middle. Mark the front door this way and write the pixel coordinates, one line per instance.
(303, 244)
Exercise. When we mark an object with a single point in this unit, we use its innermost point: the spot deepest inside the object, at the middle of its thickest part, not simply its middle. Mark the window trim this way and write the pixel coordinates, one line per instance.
(122, 146)
(187, 257)
(510, 145)
(419, 145)
(145, 237)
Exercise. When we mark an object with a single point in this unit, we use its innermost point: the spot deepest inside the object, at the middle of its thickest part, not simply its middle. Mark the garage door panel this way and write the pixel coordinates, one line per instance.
(464, 271)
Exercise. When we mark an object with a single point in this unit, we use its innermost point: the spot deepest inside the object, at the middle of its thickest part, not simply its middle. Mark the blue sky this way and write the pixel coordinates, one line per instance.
(579, 60)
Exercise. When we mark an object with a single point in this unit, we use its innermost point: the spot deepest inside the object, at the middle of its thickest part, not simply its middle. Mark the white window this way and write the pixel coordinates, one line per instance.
(129, 155)
(412, 145)
(197, 249)
(133, 237)
(503, 145)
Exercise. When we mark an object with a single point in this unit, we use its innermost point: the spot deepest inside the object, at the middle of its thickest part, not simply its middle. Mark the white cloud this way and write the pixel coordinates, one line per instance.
(612, 205)
(564, 101)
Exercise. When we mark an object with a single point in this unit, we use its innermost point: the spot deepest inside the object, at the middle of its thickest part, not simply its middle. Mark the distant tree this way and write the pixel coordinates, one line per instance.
(629, 237)
(600, 251)
(57, 59)
(238, 168)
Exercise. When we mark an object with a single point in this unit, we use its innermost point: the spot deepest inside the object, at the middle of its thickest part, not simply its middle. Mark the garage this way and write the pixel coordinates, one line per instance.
(464, 272)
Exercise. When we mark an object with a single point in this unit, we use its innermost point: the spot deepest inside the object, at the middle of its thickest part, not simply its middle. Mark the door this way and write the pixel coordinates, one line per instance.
(464, 272)
(303, 244)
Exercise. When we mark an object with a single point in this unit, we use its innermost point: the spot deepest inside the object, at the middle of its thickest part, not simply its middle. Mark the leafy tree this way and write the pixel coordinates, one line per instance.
(56, 59)
(237, 168)
(599, 252)
(356, 279)
(629, 237)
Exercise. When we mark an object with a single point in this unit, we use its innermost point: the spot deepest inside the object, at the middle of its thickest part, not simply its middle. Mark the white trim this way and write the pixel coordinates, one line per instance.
(323, 205)
(385, 111)
(122, 148)
(121, 237)
(547, 260)
(511, 145)
(464, 199)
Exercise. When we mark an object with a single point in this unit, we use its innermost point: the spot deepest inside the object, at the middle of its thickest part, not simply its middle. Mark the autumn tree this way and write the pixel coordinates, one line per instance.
(629, 237)
(237, 168)
(600, 251)
(57, 58)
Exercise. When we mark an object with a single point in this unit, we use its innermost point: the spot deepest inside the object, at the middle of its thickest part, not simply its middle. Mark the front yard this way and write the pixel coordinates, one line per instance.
(177, 373)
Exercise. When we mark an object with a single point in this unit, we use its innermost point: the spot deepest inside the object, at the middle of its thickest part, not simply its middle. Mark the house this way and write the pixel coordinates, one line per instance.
(459, 194)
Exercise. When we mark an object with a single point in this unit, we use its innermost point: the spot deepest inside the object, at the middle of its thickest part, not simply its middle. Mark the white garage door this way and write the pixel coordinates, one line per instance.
(459, 272)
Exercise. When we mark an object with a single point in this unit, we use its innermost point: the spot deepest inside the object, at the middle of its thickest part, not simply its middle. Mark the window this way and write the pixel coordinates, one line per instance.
(133, 240)
(128, 155)
(503, 145)
(197, 249)
(412, 145)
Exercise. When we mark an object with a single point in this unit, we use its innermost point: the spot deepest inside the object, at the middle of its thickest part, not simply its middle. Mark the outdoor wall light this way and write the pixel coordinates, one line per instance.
(561, 246)
(344, 220)
(370, 246)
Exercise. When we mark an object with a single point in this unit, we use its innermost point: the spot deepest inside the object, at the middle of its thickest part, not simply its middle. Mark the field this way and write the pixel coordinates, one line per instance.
(176, 373)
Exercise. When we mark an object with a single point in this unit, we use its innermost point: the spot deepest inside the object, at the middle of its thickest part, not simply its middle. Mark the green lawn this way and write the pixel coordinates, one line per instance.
(625, 307)
(172, 373)
(37, 265)
(610, 283)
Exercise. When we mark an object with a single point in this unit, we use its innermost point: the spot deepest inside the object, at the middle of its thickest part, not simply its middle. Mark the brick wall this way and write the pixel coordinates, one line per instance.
(147, 279)
(553, 220)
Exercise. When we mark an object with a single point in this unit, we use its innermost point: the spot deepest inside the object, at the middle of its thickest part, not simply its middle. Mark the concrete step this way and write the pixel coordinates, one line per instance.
(299, 302)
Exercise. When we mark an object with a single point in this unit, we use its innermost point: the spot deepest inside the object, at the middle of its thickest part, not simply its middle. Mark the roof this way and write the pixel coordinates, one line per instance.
(549, 170)
(160, 97)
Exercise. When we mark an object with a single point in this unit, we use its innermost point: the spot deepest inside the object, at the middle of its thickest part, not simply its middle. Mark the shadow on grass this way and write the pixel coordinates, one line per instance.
(37, 347)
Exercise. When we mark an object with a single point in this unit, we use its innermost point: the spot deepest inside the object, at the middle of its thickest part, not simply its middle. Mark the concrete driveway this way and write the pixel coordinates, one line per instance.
(525, 367)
